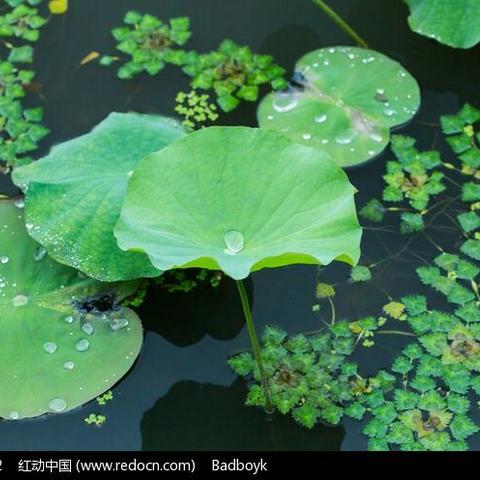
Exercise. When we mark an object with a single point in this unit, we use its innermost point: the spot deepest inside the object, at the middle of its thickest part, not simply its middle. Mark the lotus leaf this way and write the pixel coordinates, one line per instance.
(239, 199)
(60, 348)
(452, 22)
(75, 193)
(343, 100)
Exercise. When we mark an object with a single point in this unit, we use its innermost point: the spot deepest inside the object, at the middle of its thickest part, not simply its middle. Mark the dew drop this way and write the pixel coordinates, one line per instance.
(320, 118)
(19, 203)
(4, 259)
(284, 103)
(57, 405)
(50, 347)
(306, 136)
(19, 301)
(346, 137)
(14, 415)
(68, 365)
(88, 328)
(389, 112)
(82, 345)
(234, 242)
(69, 319)
(39, 254)
(118, 323)
(376, 137)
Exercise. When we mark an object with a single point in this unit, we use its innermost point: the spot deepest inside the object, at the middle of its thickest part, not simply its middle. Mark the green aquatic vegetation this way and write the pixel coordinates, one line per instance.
(410, 177)
(186, 280)
(106, 397)
(22, 22)
(68, 339)
(309, 377)
(20, 128)
(275, 220)
(343, 100)
(173, 225)
(360, 273)
(234, 73)
(95, 419)
(452, 22)
(196, 110)
(150, 43)
(80, 187)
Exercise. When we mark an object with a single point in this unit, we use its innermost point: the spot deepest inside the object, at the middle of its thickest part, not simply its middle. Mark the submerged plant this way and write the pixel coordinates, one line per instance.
(151, 43)
(234, 72)
(67, 339)
(79, 187)
(233, 199)
(343, 100)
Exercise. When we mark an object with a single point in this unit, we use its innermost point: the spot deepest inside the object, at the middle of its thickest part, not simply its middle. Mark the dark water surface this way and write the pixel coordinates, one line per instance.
(181, 394)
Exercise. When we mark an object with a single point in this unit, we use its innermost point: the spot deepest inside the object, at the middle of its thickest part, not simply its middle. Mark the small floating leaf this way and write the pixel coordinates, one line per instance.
(80, 186)
(344, 100)
(239, 199)
(42, 369)
(58, 7)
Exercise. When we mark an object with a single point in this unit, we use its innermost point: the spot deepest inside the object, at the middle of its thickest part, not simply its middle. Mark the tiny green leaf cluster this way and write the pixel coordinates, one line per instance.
(196, 110)
(150, 43)
(20, 128)
(234, 72)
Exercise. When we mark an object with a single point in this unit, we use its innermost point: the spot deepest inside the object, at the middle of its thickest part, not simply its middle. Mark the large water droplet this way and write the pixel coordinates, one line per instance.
(50, 347)
(68, 365)
(39, 254)
(284, 103)
(321, 118)
(57, 405)
(4, 259)
(118, 323)
(20, 203)
(82, 345)
(88, 328)
(19, 301)
(346, 137)
(14, 415)
(234, 241)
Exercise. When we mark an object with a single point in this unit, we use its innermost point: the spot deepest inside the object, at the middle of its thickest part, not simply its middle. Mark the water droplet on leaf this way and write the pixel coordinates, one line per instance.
(234, 242)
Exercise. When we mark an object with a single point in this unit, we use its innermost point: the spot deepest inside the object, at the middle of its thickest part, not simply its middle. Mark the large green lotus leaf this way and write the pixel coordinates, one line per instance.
(74, 194)
(239, 199)
(53, 357)
(452, 22)
(344, 100)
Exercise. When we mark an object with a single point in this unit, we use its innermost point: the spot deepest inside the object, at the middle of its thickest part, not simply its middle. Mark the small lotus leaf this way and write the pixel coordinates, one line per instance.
(239, 199)
(75, 193)
(344, 100)
(54, 355)
(452, 22)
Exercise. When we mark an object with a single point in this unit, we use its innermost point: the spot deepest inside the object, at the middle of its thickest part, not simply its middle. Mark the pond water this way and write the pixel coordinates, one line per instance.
(181, 395)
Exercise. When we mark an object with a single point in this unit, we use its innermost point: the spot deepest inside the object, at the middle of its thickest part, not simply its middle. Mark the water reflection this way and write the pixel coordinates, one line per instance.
(195, 416)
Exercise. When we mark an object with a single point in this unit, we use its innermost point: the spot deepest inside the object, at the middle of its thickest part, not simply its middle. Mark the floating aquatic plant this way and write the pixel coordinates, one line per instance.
(196, 110)
(22, 22)
(75, 193)
(266, 213)
(234, 72)
(343, 100)
(452, 22)
(150, 43)
(238, 199)
(65, 344)
(309, 376)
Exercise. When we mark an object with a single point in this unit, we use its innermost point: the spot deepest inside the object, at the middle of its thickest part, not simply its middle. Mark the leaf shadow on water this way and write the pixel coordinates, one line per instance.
(185, 318)
(220, 421)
